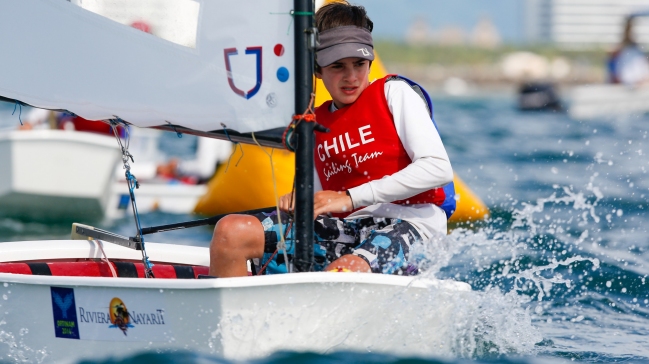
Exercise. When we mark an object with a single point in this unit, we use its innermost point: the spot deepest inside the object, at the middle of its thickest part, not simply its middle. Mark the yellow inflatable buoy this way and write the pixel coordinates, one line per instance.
(249, 185)
(469, 206)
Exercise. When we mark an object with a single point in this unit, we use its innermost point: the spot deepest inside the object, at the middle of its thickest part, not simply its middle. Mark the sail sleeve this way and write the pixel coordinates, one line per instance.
(237, 74)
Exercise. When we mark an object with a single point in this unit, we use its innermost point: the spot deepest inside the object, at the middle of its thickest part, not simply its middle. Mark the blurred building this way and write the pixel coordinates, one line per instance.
(485, 34)
(583, 22)
(451, 35)
(419, 33)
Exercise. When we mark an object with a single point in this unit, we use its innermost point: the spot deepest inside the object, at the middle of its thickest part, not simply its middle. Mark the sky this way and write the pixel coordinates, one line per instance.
(392, 18)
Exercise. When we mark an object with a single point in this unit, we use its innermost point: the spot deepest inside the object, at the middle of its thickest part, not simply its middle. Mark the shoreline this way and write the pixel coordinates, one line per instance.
(502, 69)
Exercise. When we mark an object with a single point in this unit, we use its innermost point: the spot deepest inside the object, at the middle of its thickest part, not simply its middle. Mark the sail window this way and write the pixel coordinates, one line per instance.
(173, 20)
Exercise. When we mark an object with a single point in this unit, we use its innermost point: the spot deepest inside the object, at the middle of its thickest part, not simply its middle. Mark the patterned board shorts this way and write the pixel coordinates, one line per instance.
(383, 243)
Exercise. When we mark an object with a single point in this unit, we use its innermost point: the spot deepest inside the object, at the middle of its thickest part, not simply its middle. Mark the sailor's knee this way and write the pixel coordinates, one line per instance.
(236, 231)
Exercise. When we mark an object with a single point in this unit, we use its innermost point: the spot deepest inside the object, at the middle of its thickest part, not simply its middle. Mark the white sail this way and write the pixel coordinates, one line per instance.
(238, 73)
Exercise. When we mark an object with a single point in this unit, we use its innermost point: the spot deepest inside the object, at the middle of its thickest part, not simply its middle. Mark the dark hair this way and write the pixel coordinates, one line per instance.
(341, 13)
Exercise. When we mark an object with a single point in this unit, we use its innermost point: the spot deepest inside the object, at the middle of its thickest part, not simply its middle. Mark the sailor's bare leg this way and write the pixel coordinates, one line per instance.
(236, 239)
(351, 262)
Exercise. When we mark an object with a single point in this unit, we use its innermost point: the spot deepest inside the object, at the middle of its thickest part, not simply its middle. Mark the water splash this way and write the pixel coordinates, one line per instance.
(544, 284)
(515, 263)
(524, 218)
(17, 351)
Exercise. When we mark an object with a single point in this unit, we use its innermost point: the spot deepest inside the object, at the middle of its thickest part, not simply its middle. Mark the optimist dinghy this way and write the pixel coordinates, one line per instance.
(245, 75)
(61, 302)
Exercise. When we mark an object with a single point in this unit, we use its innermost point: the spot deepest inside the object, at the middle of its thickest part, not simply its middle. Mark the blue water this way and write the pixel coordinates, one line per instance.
(559, 270)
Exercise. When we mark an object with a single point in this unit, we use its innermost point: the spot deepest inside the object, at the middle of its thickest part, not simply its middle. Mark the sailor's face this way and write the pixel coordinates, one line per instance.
(345, 79)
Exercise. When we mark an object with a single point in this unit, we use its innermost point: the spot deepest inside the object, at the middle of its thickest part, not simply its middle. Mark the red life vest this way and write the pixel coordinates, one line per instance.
(363, 145)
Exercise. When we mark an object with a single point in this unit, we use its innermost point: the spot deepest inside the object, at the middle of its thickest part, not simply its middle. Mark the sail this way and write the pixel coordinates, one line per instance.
(236, 73)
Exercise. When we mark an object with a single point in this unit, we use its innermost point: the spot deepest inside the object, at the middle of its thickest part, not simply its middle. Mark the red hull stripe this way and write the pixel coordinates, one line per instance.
(101, 269)
(41, 269)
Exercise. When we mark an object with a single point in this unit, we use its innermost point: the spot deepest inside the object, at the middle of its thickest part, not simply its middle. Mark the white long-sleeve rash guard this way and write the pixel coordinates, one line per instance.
(430, 167)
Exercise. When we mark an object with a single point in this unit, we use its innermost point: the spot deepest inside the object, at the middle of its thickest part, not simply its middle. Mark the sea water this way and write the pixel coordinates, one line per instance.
(559, 270)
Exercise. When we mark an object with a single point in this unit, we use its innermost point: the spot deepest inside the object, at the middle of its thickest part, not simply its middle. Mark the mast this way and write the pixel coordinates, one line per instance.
(304, 48)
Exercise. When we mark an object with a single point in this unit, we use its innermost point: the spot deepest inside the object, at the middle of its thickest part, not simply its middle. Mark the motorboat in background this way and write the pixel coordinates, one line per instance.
(608, 100)
(585, 102)
(50, 174)
(47, 174)
(539, 96)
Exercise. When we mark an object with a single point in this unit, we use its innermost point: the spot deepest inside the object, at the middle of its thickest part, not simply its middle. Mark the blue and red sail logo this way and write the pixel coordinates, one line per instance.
(227, 53)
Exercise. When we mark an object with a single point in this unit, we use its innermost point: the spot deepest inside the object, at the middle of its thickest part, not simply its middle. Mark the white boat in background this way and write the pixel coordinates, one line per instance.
(628, 68)
(172, 198)
(49, 174)
(607, 101)
(155, 193)
(46, 174)
(103, 294)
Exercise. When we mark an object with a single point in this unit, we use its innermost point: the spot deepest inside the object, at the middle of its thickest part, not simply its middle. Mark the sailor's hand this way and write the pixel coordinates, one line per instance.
(287, 202)
(331, 201)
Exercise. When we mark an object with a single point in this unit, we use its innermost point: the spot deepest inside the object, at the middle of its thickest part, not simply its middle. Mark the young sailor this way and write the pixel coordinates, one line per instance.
(628, 64)
(380, 171)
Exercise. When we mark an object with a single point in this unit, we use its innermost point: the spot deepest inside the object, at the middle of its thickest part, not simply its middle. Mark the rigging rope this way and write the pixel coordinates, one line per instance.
(105, 258)
(308, 116)
(282, 242)
(20, 112)
(132, 185)
(236, 144)
(178, 134)
(293, 13)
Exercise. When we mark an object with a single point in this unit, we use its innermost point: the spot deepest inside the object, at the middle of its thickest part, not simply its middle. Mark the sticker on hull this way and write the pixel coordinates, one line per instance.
(65, 313)
(103, 314)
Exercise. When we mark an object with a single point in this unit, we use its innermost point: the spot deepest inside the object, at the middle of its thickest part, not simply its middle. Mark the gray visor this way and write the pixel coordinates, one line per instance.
(344, 42)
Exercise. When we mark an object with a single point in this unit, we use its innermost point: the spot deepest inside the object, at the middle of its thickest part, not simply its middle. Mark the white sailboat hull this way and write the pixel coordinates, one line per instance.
(164, 197)
(237, 318)
(52, 173)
